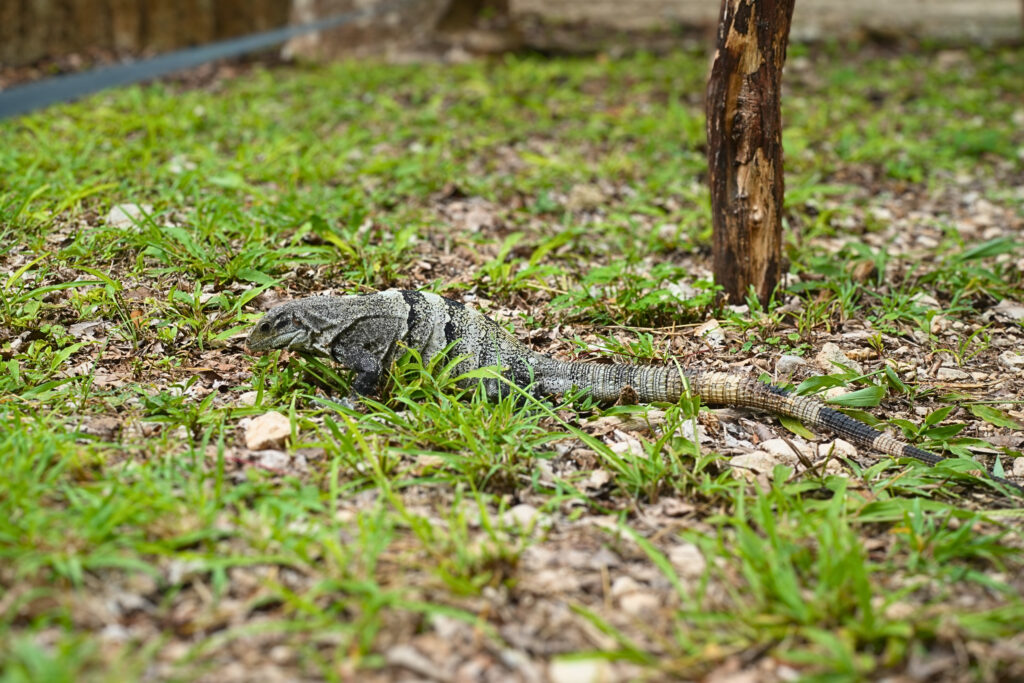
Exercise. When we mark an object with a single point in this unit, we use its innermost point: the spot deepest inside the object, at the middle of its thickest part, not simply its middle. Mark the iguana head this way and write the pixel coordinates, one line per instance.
(281, 328)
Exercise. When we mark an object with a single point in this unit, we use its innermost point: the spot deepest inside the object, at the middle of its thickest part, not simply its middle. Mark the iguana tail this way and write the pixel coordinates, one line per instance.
(609, 383)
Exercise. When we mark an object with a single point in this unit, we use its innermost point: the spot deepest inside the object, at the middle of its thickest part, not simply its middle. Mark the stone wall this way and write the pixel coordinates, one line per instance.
(31, 30)
(390, 24)
(812, 19)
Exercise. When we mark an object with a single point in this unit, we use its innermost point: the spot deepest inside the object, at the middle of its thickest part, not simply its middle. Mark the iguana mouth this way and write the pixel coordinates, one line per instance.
(277, 341)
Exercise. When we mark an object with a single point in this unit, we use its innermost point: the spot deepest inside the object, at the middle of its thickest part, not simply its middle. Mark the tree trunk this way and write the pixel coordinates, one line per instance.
(745, 145)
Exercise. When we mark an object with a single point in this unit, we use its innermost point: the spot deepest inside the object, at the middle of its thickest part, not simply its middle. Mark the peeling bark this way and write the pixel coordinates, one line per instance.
(744, 127)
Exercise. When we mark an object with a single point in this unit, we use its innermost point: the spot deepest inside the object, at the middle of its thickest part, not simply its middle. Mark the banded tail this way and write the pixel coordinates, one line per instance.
(606, 383)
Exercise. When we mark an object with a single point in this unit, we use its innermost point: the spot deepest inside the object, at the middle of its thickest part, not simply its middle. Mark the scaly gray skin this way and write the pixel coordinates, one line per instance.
(365, 333)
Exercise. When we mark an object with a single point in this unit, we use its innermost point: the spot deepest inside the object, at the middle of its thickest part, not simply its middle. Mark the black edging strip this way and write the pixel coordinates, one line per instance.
(25, 98)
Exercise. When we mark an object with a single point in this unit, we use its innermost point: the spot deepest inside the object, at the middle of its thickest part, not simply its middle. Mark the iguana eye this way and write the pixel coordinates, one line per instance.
(265, 327)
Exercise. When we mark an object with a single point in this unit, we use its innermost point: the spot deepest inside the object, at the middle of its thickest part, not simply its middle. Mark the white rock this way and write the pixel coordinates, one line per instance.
(947, 373)
(833, 392)
(682, 290)
(787, 365)
(640, 603)
(1018, 467)
(838, 449)
(125, 216)
(749, 465)
(179, 164)
(580, 671)
(598, 479)
(901, 611)
(247, 399)
(691, 431)
(711, 332)
(408, 657)
(584, 197)
(627, 445)
(939, 323)
(522, 515)
(668, 232)
(272, 459)
(115, 633)
(1013, 360)
(830, 355)
(623, 585)
(1010, 309)
(87, 330)
(780, 450)
(688, 560)
(267, 431)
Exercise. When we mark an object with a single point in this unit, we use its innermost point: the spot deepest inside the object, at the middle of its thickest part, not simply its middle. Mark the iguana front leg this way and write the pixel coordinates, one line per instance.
(368, 370)
(368, 349)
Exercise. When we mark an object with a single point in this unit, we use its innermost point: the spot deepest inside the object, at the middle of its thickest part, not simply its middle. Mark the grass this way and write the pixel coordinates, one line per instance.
(139, 537)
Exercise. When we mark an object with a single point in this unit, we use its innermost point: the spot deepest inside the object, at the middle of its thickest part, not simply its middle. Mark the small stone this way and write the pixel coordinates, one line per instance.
(584, 197)
(598, 479)
(580, 671)
(479, 218)
(1018, 467)
(623, 585)
(833, 392)
(640, 603)
(248, 398)
(180, 164)
(951, 374)
(865, 270)
(787, 365)
(272, 459)
(682, 290)
(831, 357)
(114, 633)
(627, 445)
(780, 450)
(408, 657)
(838, 449)
(522, 515)
(87, 330)
(939, 324)
(749, 465)
(124, 216)
(688, 560)
(281, 654)
(104, 427)
(900, 611)
(711, 332)
(1013, 360)
(426, 463)
(267, 431)
(667, 232)
(1007, 308)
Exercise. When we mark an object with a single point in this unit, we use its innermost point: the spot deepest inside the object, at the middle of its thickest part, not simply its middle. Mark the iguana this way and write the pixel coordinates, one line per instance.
(365, 333)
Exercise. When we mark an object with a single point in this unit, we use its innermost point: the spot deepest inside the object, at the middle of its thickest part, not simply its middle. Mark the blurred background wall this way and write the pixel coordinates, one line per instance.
(32, 30)
(812, 19)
